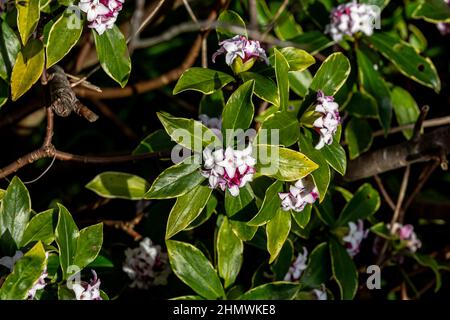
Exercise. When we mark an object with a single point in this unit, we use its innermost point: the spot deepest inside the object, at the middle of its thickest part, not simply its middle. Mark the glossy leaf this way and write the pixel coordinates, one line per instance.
(192, 267)
(242, 230)
(272, 291)
(229, 17)
(27, 68)
(40, 228)
(433, 11)
(319, 267)
(405, 109)
(270, 205)
(281, 72)
(265, 88)
(203, 80)
(335, 154)
(26, 272)
(112, 52)
(9, 48)
(186, 209)
(344, 270)
(156, 141)
(63, 36)
(332, 74)
(407, 60)
(15, 210)
(313, 41)
(365, 202)
(362, 105)
(239, 110)
(297, 59)
(27, 18)
(302, 218)
(230, 251)
(118, 185)
(177, 180)
(358, 136)
(277, 231)
(89, 243)
(212, 104)
(66, 235)
(287, 126)
(233, 205)
(299, 81)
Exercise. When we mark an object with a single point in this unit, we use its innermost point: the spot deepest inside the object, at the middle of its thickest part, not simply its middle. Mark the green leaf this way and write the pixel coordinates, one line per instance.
(430, 262)
(9, 48)
(233, 205)
(365, 202)
(287, 126)
(15, 210)
(362, 105)
(299, 81)
(302, 218)
(66, 235)
(407, 60)
(375, 85)
(205, 214)
(325, 212)
(318, 270)
(188, 133)
(212, 104)
(270, 205)
(186, 209)
(298, 59)
(313, 41)
(381, 230)
(118, 185)
(27, 68)
(279, 290)
(265, 88)
(26, 272)
(284, 261)
(230, 250)
(203, 80)
(239, 110)
(281, 72)
(27, 18)
(277, 231)
(432, 11)
(229, 17)
(89, 244)
(335, 154)
(4, 94)
(243, 230)
(40, 228)
(322, 174)
(332, 74)
(176, 180)
(63, 36)
(112, 52)
(405, 109)
(344, 270)
(282, 163)
(192, 267)
(155, 141)
(358, 136)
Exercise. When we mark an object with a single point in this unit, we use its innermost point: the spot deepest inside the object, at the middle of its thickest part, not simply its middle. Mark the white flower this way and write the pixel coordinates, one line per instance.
(146, 265)
(240, 46)
(299, 265)
(355, 236)
(302, 193)
(101, 14)
(328, 122)
(321, 294)
(407, 236)
(351, 18)
(230, 169)
(88, 291)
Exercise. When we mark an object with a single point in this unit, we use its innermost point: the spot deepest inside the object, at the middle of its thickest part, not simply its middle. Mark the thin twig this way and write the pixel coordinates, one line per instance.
(253, 10)
(189, 10)
(147, 19)
(127, 226)
(426, 124)
(275, 18)
(384, 192)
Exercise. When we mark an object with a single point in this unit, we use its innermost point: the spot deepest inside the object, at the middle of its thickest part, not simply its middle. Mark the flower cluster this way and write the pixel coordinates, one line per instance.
(215, 124)
(240, 49)
(407, 236)
(230, 169)
(355, 236)
(101, 14)
(350, 18)
(40, 284)
(146, 265)
(297, 268)
(302, 193)
(326, 125)
(321, 294)
(88, 290)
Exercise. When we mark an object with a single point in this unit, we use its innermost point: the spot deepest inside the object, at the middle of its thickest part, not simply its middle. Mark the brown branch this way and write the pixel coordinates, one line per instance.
(426, 124)
(384, 192)
(127, 226)
(429, 146)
